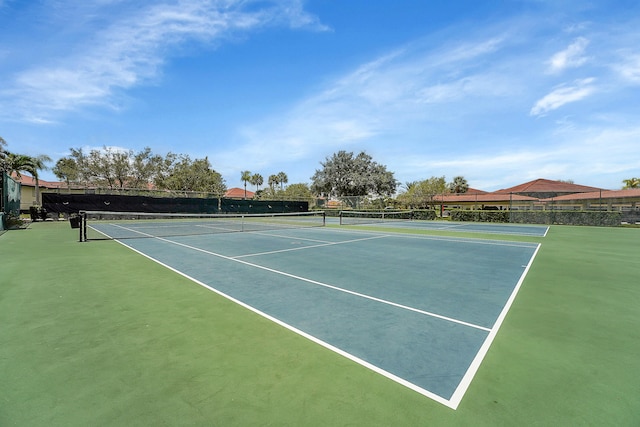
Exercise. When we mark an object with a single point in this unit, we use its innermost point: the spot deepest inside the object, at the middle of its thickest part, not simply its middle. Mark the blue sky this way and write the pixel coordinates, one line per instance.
(500, 92)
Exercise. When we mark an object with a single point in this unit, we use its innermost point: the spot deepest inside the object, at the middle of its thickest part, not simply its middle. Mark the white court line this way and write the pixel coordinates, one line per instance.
(464, 384)
(326, 285)
(306, 247)
(300, 332)
(268, 234)
(468, 227)
(454, 239)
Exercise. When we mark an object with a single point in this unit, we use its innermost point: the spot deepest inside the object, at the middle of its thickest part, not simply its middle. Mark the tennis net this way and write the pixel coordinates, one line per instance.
(373, 217)
(100, 225)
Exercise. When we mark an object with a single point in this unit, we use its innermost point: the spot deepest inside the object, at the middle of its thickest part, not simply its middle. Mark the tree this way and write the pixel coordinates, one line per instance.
(273, 182)
(257, 180)
(196, 175)
(83, 171)
(458, 185)
(245, 176)
(116, 168)
(297, 192)
(17, 163)
(122, 164)
(148, 167)
(631, 183)
(410, 184)
(66, 169)
(163, 168)
(39, 163)
(422, 193)
(346, 175)
(282, 179)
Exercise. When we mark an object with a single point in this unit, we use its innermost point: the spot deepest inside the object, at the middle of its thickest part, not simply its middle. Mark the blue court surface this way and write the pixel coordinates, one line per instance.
(467, 227)
(420, 310)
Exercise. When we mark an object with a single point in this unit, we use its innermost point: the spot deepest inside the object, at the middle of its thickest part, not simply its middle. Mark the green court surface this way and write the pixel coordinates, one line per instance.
(95, 334)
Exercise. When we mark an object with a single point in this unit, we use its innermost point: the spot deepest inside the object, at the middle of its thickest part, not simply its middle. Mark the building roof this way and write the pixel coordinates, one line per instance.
(474, 191)
(631, 193)
(29, 181)
(482, 198)
(548, 186)
(238, 193)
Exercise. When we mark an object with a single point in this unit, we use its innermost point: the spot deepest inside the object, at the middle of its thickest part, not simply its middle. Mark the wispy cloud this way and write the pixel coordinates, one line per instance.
(132, 50)
(564, 95)
(389, 98)
(418, 98)
(571, 57)
(629, 68)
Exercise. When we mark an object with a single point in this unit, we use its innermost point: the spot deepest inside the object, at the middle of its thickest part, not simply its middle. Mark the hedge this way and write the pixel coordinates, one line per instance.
(607, 219)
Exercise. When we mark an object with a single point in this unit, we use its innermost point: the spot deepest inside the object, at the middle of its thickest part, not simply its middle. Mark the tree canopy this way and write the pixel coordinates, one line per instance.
(344, 174)
(194, 175)
(420, 194)
(631, 183)
(458, 185)
(125, 168)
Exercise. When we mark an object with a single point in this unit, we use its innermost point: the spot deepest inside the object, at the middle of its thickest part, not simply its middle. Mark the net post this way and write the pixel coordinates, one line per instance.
(83, 226)
(324, 218)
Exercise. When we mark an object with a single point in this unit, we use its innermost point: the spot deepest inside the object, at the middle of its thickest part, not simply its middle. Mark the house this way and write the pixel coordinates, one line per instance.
(546, 188)
(627, 199)
(30, 194)
(537, 194)
(239, 193)
(484, 200)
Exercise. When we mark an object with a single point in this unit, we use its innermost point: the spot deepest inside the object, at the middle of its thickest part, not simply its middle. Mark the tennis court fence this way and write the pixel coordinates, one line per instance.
(350, 217)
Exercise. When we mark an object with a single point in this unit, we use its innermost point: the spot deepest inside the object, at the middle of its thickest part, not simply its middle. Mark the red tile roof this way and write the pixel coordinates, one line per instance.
(482, 198)
(238, 193)
(29, 181)
(633, 193)
(474, 191)
(548, 186)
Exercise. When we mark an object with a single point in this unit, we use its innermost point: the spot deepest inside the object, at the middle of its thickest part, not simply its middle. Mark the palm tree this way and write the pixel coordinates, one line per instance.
(458, 185)
(245, 176)
(22, 163)
(39, 164)
(410, 184)
(257, 180)
(16, 163)
(282, 179)
(631, 183)
(273, 182)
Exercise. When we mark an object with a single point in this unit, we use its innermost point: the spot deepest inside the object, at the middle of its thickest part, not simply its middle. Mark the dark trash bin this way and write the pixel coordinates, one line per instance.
(74, 221)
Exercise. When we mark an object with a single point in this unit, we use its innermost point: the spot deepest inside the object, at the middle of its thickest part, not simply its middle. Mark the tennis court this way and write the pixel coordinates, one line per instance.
(404, 220)
(475, 227)
(420, 310)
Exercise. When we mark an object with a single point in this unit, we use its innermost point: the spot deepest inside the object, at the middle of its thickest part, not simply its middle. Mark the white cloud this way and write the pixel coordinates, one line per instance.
(367, 103)
(629, 68)
(571, 57)
(563, 95)
(132, 50)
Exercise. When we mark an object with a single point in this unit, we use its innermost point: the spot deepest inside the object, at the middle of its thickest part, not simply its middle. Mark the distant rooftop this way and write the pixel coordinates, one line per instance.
(548, 186)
